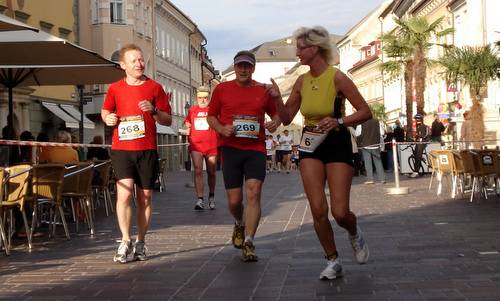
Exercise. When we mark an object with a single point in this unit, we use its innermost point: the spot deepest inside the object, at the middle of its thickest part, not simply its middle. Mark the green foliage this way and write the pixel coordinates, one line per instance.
(472, 66)
(378, 111)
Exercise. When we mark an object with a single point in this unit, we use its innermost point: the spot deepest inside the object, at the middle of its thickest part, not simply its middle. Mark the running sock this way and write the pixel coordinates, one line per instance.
(249, 239)
(332, 256)
(211, 195)
(238, 222)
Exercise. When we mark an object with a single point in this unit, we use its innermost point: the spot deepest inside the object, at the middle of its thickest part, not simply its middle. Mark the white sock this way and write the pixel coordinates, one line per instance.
(249, 239)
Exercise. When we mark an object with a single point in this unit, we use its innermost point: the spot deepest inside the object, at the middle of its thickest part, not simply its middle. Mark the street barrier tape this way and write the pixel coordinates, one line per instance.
(37, 143)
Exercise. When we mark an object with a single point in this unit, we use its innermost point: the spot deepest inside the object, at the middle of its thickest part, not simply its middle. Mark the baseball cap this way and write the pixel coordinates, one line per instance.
(244, 56)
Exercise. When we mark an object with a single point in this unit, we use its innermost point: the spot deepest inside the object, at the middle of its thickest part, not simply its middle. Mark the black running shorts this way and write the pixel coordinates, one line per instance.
(142, 166)
(240, 164)
(337, 147)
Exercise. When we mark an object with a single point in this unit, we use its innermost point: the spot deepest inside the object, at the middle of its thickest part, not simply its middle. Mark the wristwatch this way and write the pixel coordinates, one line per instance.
(154, 111)
(340, 122)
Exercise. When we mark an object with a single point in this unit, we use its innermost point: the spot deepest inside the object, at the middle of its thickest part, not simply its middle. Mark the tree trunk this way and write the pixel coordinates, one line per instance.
(420, 75)
(476, 114)
(408, 77)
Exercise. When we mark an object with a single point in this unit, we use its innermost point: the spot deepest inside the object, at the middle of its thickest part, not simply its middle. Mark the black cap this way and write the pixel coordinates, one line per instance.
(244, 56)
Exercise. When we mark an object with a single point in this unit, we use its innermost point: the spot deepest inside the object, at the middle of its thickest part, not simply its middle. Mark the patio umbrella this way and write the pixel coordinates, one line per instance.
(32, 58)
(8, 24)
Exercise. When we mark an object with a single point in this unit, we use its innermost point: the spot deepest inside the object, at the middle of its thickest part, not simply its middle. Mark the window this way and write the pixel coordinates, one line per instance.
(94, 9)
(117, 11)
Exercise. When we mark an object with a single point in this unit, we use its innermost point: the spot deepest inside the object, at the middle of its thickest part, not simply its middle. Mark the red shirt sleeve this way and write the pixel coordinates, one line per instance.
(110, 101)
(163, 100)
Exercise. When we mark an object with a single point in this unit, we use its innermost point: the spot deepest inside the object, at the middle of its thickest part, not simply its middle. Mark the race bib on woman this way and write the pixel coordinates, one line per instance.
(131, 127)
(246, 126)
(311, 140)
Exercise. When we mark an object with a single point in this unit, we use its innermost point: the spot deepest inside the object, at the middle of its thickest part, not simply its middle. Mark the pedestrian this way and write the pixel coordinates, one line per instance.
(203, 147)
(132, 107)
(437, 129)
(97, 153)
(325, 148)
(60, 154)
(421, 136)
(278, 155)
(465, 131)
(399, 132)
(370, 135)
(237, 113)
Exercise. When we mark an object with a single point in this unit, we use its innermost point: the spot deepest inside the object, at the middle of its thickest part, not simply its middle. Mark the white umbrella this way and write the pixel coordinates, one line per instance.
(8, 24)
(32, 58)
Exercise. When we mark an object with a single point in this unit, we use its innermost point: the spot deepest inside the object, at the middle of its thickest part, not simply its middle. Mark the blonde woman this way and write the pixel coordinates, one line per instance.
(325, 149)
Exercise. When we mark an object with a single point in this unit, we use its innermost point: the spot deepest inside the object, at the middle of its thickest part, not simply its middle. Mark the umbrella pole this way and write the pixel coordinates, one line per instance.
(10, 120)
(80, 126)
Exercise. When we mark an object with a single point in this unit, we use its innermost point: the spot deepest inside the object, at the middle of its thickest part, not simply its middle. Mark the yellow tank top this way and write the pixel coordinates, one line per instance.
(318, 96)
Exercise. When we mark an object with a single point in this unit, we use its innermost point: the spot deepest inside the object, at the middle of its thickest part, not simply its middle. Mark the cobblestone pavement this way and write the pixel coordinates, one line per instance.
(422, 248)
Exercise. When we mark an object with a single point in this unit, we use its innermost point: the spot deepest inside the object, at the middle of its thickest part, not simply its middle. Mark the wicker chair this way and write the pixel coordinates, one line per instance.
(16, 189)
(77, 187)
(100, 183)
(446, 166)
(47, 184)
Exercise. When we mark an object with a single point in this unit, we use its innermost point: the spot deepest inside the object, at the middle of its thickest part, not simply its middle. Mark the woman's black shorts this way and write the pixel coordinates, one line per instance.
(337, 147)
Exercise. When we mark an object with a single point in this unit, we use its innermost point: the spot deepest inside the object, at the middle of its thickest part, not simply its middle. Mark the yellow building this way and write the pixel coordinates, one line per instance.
(55, 17)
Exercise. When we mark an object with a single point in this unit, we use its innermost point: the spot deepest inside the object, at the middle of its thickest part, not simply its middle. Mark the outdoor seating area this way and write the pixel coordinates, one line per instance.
(36, 199)
(469, 173)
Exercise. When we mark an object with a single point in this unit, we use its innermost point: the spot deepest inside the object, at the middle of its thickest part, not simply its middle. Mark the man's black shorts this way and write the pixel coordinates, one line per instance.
(238, 164)
(142, 166)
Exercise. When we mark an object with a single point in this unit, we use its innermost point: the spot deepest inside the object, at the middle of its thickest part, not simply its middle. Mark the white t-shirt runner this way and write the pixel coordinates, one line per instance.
(286, 143)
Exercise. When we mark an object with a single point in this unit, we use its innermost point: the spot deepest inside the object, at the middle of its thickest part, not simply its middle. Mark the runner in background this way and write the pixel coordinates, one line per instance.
(286, 142)
(203, 147)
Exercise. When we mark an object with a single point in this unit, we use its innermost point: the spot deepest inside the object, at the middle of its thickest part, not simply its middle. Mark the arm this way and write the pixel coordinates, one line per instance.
(161, 117)
(224, 130)
(110, 119)
(287, 112)
(345, 85)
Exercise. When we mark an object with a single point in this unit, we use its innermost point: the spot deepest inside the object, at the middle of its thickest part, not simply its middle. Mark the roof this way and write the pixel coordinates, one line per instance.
(281, 50)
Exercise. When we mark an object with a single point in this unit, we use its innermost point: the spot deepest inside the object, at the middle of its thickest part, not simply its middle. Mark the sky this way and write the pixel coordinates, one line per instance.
(233, 25)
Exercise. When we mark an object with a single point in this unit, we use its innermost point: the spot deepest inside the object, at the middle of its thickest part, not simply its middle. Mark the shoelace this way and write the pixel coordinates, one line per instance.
(123, 248)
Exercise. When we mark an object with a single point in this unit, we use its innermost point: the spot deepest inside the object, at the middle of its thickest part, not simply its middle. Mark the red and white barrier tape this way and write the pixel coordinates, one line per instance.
(36, 143)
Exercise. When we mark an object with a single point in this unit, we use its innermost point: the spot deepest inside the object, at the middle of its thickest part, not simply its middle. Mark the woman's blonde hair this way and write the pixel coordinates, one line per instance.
(316, 36)
(63, 137)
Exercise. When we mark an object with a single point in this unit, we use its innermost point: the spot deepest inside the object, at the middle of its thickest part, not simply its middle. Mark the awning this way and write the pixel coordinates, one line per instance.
(76, 115)
(162, 129)
(56, 110)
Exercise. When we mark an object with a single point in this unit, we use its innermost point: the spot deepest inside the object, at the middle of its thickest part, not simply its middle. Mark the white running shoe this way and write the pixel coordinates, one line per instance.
(333, 270)
(199, 205)
(359, 246)
(211, 202)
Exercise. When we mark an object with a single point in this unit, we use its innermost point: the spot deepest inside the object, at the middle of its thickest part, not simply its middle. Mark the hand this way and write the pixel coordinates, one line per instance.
(273, 90)
(226, 130)
(326, 124)
(146, 106)
(271, 126)
(111, 119)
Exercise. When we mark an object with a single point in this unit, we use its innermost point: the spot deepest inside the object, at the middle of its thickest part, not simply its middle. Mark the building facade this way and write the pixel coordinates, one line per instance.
(56, 17)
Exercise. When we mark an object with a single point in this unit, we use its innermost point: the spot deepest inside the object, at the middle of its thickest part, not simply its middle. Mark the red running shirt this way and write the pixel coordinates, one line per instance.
(123, 99)
(229, 100)
(202, 138)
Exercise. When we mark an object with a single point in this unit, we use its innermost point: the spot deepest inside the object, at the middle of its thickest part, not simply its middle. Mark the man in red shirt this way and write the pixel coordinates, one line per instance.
(132, 106)
(203, 145)
(237, 112)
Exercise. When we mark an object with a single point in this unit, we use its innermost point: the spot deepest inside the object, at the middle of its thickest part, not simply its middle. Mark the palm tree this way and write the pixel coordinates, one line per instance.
(472, 67)
(406, 48)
